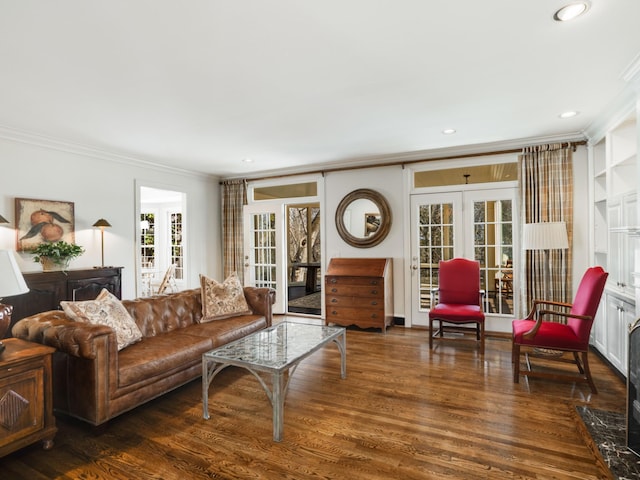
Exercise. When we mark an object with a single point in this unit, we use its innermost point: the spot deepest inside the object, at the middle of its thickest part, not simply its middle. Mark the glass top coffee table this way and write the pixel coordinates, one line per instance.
(277, 351)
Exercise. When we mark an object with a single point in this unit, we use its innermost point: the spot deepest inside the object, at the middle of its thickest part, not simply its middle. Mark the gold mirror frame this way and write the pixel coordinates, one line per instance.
(385, 218)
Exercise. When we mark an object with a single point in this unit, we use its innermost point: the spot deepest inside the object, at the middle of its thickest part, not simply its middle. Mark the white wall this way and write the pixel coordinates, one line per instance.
(391, 183)
(387, 181)
(103, 186)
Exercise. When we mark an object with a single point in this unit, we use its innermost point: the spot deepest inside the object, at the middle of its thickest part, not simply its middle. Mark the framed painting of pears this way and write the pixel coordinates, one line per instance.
(43, 221)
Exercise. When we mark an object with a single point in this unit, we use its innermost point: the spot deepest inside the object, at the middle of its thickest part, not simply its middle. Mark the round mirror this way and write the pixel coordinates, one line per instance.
(363, 218)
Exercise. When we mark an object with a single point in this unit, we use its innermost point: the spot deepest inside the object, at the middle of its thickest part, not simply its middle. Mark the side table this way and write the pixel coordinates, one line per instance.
(26, 401)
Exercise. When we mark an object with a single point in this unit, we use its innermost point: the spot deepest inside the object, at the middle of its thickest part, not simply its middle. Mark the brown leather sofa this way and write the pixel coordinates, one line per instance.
(95, 382)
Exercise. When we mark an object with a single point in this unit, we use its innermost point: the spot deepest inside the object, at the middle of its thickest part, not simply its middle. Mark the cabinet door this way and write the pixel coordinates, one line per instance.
(622, 213)
(626, 255)
(599, 330)
(89, 288)
(620, 315)
(45, 292)
(21, 411)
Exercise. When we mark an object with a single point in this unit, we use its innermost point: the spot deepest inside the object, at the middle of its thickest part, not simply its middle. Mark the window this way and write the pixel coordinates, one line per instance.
(147, 240)
(177, 249)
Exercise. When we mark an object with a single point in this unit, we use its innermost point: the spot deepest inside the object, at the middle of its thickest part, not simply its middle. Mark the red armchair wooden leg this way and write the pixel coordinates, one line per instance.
(587, 372)
(515, 358)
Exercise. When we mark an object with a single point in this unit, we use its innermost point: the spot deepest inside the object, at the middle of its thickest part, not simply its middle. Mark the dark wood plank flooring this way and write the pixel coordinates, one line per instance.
(403, 412)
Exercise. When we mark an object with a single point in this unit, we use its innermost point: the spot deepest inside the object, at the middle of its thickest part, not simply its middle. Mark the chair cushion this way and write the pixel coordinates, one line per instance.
(550, 335)
(451, 312)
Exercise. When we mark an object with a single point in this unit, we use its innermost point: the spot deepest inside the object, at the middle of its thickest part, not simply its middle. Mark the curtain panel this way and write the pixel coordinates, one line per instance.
(234, 198)
(546, 195)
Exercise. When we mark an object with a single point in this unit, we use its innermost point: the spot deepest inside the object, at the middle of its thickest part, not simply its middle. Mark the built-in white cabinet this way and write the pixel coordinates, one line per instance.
(620, 315)
(615, 185)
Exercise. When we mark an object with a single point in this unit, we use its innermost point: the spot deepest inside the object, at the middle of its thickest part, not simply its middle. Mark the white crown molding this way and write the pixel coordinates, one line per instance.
(416, 156)
(620, 109)
(631, 74)
(30, 138)
(623, 105)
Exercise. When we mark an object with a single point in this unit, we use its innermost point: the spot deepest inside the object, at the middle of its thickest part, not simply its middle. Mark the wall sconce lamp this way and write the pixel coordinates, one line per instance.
(11, 283)
(102, 224)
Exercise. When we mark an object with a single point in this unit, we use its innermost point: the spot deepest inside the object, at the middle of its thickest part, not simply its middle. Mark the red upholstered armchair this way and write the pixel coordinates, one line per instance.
(459, 300)
(571, 337)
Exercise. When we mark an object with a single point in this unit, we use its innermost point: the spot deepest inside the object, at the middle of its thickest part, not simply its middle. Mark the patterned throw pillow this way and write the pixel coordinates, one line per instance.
(222, 300)
(107, 310)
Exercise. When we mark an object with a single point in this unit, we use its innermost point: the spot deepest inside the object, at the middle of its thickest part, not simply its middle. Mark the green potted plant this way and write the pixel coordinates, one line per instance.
(56, 255)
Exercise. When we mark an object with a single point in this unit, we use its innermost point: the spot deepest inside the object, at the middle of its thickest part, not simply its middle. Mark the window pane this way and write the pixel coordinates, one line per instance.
(500, 172)
(295, 190)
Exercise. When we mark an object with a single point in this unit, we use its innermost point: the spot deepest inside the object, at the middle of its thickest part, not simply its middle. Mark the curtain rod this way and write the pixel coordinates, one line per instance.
(403, 163)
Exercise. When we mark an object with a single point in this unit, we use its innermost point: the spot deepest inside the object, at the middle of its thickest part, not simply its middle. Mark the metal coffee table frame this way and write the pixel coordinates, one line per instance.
(278, 351)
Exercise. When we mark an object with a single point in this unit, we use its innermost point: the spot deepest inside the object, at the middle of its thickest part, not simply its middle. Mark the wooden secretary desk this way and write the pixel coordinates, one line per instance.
(359, 291)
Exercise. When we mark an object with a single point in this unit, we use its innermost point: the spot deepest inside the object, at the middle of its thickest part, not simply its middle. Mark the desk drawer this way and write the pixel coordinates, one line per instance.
(356, 302)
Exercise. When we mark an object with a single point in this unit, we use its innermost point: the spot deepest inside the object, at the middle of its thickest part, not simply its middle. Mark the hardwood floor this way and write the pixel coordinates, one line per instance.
(403, 412)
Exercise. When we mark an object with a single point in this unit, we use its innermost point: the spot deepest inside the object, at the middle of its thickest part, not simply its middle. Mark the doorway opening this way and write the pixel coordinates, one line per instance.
(304, 286)
(161, 242)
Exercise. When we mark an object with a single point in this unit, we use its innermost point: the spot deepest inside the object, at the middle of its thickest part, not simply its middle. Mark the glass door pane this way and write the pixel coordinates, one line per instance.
(264, 250)
(435, 236)
(493, 248)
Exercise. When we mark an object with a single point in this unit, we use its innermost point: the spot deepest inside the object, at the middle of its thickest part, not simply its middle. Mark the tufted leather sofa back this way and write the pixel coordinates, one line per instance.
(164, 313)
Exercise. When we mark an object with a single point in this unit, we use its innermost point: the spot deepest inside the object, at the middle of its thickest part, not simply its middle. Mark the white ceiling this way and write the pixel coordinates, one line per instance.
(203, 84)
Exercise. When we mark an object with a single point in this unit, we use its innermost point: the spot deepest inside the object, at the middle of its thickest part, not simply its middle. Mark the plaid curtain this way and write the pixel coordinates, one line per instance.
(234, 198)
(546, 188)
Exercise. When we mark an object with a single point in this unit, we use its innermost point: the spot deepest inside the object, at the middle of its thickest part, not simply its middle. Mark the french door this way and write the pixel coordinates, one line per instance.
(264, 253)
(475, 224)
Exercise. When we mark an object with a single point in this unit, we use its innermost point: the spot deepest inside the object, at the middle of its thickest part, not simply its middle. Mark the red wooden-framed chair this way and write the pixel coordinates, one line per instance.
(572, 336)
(459, 301)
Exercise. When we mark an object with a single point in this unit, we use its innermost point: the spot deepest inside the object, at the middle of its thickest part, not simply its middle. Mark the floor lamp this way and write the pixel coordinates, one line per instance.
(546, 236)
(11, 283)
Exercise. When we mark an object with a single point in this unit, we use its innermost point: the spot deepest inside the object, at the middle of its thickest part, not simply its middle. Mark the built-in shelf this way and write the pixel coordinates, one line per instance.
(615, 185)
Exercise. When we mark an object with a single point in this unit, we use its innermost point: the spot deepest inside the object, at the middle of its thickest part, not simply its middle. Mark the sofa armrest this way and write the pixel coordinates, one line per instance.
(55, 329)
(260, 300)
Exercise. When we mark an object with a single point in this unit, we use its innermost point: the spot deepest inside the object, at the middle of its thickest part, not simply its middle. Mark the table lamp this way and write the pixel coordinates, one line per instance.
(11, 283)
(101, 224)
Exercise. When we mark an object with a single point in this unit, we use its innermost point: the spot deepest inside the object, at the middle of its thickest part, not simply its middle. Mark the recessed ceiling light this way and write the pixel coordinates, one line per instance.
(448, 131)
(569, 114)
(247, 160)
(571, 11)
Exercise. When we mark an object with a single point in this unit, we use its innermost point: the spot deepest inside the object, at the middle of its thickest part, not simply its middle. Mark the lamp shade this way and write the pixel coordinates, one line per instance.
(545, 236)
(101, 223)
(11, 279)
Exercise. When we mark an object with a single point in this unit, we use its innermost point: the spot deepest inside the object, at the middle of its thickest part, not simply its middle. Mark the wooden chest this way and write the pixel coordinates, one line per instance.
(359, 291)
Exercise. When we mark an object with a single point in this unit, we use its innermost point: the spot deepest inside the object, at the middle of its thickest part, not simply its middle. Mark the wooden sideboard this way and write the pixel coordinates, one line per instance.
(48, 289)
(359, 291)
